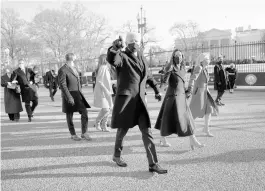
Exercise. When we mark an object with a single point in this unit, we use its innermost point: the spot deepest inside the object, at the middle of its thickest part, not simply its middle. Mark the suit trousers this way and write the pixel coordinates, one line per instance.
(146, 137)
(52, 91)
(84, 121)
(219, 95)
(29, 108)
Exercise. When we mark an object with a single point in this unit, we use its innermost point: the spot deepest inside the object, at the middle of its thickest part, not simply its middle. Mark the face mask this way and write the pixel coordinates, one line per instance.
(133, 47)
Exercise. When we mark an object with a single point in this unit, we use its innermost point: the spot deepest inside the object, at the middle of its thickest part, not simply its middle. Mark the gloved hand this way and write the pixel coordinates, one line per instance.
(71, 102)
(118, 43)
(158, 97)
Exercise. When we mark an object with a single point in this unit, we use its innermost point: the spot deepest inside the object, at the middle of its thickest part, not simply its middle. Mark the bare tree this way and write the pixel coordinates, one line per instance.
(11, 32)
(187, 34)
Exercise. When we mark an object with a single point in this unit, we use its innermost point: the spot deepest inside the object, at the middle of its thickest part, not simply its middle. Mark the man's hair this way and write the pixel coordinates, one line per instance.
(69, 56)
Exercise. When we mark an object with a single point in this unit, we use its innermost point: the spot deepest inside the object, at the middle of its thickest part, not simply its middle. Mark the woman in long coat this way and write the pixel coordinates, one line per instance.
(12, 100)
(175, 116)
(103, 94)
(202, 103)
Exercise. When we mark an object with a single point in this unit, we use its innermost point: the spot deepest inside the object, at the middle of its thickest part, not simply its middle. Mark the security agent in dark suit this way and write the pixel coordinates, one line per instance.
(130, 107)
(51, 78)
(25, 78)
(73, 99)
(220, 80)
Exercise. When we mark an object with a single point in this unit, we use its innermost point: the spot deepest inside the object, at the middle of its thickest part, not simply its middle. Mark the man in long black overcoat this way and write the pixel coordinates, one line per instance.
(51, 78)
(73, 99)
(130, 107)
(220, 80)
(24, 76)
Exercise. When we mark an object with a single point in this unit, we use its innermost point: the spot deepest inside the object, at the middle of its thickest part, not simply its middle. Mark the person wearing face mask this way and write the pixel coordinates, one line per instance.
(25, 78)
(202, 103)
(232, 75)
(220, 81)
(73, 99)
(175, 116)
(130, 106)
(12, 100)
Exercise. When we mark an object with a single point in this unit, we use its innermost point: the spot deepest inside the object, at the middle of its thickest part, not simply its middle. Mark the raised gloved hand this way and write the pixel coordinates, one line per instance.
(158, 97)
(118, 43)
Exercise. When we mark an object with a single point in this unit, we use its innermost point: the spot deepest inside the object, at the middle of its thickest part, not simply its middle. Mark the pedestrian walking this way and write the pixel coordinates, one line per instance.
(12, 99)
(202, 103)
(103, 94)
(73, 99)
(232, 76)
(94, 79)
(130, 107)
(25, 78)
(175, 116)
(52, 83)
(220, 80)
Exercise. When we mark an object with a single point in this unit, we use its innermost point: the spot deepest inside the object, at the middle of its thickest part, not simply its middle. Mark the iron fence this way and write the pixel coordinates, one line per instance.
(248, 57)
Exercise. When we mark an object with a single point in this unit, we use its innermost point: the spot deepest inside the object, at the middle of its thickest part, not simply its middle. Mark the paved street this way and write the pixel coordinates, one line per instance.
(41, 156)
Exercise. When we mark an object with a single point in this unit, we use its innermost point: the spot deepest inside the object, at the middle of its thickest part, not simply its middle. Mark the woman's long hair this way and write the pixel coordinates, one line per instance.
(201, 58)
(101, 61)
(172, 65)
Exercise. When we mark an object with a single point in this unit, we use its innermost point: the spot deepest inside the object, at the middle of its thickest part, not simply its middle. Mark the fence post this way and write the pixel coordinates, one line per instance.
(235, 52)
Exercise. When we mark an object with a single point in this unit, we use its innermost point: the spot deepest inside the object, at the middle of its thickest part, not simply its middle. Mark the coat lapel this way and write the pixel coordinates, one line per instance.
(206, 74)
(135, 61)
(71, 70)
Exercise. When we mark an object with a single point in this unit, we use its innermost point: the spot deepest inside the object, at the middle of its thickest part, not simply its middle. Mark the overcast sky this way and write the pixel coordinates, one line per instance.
(222, 14)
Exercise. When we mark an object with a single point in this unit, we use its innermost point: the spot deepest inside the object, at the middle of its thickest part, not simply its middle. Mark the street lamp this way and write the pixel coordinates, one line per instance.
(141, 25)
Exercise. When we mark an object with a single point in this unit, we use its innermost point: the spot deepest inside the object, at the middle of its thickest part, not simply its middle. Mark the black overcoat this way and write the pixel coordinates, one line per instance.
(28, 91)
(220, 76)
(11, 98)
(70, 87)
(51, 80)
(175, 116)
(132, 74)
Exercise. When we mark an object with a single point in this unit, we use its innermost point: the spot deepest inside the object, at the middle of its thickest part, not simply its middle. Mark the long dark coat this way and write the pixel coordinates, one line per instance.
(220, 76)
(11, 98)
(28, 91)
(69, 83)
(51, 80)
(175, 116)
(132, 74)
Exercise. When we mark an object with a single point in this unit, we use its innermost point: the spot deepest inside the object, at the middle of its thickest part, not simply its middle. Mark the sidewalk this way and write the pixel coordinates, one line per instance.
(246, 88)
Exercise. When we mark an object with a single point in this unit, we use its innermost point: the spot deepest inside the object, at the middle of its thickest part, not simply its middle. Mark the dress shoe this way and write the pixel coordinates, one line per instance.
(86, 137)
(222, 104)
(156, 168)
(29, 119)
(97, 125)
(218, 103)
(198, 145)
(208, 134)
(119, 161)
(106, 129)
(76, 138)
(164, 144)
(16, 120)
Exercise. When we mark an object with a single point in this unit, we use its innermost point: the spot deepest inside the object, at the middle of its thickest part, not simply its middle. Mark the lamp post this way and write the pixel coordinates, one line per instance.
(141, 25)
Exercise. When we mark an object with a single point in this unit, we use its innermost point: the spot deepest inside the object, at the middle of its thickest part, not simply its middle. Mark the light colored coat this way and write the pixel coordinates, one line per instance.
(103, 88)
(200, 102)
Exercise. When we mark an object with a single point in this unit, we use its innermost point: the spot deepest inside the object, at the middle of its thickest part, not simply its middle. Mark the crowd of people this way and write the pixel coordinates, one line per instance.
(120, 88)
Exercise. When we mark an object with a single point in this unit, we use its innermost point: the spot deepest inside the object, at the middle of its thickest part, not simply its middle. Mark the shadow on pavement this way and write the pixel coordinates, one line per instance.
(250, 155)
(14, 174)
